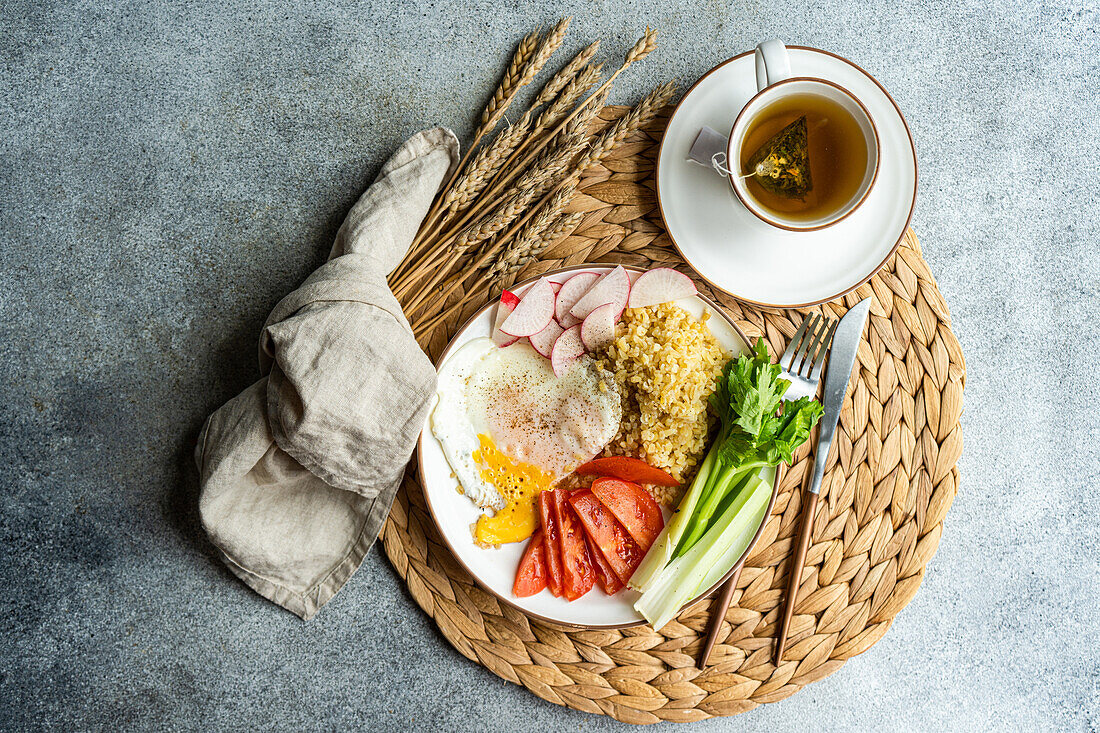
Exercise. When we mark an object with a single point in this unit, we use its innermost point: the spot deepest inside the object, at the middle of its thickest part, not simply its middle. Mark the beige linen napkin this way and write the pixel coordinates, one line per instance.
(298, 472)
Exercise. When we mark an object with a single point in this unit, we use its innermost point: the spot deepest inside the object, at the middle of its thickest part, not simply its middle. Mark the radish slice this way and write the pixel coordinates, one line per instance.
(598, 329)
(567, 349)
(571, 291)
(660, 286)
(543, 341)
(507, 304)
(614, 287)
(555, 286)
(535, 310)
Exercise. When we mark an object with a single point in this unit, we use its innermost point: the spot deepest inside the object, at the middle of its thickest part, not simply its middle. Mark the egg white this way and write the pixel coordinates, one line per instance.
(452, 427)
(532, 415)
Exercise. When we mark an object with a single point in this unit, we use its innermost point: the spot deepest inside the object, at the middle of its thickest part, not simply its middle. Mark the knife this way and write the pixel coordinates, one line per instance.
(842, 356)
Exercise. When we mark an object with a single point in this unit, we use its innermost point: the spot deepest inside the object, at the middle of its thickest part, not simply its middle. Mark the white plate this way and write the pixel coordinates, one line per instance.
(737, 252)
(495, 569)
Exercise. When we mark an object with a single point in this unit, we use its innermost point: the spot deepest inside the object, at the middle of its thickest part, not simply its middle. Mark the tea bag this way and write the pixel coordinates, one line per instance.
(782, 164)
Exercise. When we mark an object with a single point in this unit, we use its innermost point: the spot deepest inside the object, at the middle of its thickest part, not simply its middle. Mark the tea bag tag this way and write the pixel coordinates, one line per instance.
(709, 150)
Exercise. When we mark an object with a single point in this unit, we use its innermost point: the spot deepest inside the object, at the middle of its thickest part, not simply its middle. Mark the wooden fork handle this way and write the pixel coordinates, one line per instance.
(717, 615)
(797, 562)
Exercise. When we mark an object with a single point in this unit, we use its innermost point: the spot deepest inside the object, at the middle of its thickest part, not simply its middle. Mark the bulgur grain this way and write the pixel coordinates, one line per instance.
(666, 364)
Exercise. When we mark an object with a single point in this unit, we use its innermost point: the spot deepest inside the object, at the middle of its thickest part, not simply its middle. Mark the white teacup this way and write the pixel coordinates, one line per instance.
(774, 82)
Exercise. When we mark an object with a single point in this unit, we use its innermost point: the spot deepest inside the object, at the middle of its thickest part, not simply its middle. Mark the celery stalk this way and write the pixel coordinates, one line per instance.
(682, 578)
(738, 546)
(663, 548)
(730, 480)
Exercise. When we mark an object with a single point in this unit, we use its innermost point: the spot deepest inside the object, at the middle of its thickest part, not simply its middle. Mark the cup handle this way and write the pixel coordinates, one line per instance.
(773, 64)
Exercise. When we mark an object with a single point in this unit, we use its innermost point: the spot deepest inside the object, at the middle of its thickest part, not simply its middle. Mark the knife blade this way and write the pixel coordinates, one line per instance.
(842, 356)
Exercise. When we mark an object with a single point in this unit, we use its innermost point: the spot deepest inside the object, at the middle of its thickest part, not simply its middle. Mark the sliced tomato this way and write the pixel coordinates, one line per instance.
(531, 573)
(632, 505)
(605, 577)
(577, 575)
(552, 541)
(613, 542)
(627, 469)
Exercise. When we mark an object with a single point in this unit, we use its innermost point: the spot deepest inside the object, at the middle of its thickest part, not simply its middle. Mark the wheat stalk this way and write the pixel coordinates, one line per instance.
(545, 173)
(504, 215)
(484, 166)
(548, 172)
(511, 168)
(546, 227)
(498, 104)
(485, 228)
(508, 86)
(510, 198)
(527, 62)
(573, 91)
(634, 120)
(542, 54)
(565, 75)
(489, 159)
(553, 161)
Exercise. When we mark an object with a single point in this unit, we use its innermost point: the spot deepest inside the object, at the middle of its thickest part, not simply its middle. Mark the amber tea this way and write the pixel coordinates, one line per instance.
(803, 157)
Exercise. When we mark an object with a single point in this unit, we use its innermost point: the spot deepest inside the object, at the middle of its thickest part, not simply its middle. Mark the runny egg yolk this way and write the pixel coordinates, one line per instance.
(519, 484)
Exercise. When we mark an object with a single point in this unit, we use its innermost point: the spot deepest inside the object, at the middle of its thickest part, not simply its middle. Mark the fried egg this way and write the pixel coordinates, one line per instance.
(510, 428)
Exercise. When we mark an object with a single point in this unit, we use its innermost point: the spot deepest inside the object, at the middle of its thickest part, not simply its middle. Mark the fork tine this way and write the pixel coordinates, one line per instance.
(792, 345)
(804, 351)
(812, 350)
(826, 343)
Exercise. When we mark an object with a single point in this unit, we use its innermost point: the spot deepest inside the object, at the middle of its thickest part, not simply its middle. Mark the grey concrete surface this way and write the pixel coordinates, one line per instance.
(169, 170)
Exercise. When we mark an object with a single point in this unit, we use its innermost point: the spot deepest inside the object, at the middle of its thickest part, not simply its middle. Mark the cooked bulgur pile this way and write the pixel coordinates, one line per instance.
(666, 363)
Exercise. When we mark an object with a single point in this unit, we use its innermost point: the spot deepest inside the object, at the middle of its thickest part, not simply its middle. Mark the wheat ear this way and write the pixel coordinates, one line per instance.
(642, 48)
(498, 103)
(549, 44)
(489, 159)
(501, 217)
(514, 80)
(638, 117)
(565, 75)
(509, 85)
(545, 174)
(545, 227)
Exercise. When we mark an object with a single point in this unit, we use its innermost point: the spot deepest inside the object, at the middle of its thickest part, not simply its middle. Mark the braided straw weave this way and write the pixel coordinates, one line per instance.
(890, 481)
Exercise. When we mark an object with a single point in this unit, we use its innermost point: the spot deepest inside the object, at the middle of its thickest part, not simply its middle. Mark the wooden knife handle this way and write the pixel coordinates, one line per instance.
(795, 577)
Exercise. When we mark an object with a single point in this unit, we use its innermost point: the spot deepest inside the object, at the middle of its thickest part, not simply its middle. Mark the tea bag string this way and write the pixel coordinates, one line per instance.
(718, 160)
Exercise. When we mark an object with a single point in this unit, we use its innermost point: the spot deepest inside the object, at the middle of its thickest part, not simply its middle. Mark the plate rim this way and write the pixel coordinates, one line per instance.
(431, 509)
(904, 229)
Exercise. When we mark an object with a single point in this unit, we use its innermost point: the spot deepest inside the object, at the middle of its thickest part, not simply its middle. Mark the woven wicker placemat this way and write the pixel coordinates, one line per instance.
(890, 481)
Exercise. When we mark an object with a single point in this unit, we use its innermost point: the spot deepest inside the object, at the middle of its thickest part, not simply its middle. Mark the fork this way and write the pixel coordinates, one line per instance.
(801, 365)
(804, 375)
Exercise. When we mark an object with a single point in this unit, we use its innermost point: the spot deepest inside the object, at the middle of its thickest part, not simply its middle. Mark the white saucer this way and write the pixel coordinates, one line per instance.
(495, 569)
(738, 253)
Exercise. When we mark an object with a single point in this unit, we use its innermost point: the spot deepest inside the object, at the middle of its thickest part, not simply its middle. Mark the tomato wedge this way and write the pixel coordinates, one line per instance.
(632, 505)
(621, 552)
(552, 541)
(577, 575)
(605, 577)
(531, 573)
(627, 469)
